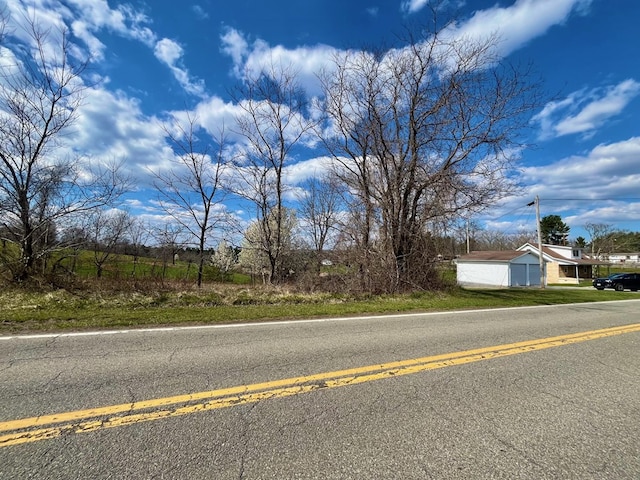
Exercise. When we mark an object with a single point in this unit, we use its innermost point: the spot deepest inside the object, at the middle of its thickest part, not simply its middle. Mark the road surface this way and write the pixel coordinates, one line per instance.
(528, 393)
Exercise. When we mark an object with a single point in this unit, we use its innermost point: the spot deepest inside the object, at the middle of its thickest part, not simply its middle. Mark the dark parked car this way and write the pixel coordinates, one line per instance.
(619, 282)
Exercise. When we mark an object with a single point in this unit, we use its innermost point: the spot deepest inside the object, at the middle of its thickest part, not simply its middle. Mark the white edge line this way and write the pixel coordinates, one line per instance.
(291, 322)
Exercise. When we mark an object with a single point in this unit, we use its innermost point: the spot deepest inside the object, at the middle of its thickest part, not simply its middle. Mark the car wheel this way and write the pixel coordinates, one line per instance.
(619, 287)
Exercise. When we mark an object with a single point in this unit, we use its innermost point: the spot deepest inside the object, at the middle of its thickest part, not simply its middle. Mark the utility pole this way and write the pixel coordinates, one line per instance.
(468, 241)
(541, 256)
(536, 202)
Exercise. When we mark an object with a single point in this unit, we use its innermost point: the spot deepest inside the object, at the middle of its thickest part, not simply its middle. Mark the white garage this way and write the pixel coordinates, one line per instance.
(508, 268)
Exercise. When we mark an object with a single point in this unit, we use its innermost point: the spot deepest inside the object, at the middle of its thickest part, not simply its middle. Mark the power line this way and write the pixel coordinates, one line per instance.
(621, 199)
(509, 213)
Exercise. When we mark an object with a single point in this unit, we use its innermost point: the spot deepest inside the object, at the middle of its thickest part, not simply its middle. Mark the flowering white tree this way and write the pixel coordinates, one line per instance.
(274, 120)
(257, 245)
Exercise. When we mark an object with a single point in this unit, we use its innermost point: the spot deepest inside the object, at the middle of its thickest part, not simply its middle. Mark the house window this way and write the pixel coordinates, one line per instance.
(575, 253)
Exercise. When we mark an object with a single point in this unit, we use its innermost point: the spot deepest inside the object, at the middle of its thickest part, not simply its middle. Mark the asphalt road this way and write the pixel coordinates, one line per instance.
(457, 395)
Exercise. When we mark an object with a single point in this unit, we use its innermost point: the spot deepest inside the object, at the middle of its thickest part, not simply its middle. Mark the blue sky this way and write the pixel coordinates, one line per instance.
(157, 57)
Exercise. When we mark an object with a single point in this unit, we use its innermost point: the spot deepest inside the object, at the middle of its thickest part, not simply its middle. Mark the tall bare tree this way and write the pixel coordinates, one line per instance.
(273, 122)
(421, 134)
(40, 93)
(319, 208)
(191, 190)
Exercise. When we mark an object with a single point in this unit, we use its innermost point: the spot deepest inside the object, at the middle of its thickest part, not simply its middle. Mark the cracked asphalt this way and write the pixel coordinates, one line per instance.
(571, 411)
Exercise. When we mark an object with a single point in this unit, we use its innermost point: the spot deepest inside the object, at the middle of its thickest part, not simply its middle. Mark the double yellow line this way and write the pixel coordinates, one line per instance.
(51, 426)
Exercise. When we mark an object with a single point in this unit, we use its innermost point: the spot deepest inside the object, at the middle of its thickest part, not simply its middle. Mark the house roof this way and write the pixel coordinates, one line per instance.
(507, 255)
(552, 256)
(492, 256)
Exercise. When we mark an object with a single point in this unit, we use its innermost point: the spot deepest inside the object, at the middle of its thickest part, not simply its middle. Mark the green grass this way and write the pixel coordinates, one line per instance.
(80, 264)
(23, 312)
(120, 266)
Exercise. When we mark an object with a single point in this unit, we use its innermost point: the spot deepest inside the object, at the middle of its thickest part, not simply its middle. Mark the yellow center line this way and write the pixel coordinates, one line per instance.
(30, 429)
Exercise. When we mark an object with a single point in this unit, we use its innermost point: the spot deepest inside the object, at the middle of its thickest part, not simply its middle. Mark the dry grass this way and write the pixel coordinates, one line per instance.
(23, 311)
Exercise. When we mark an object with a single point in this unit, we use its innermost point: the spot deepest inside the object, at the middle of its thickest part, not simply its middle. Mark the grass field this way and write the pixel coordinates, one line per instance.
(81, 264)
(168, 297)
(24, 312)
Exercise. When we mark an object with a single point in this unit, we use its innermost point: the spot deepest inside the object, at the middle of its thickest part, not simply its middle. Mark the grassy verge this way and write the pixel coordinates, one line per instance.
(24, 312)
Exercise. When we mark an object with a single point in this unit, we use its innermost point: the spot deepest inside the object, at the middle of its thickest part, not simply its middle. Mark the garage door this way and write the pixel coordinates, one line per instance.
(534, 275)
(524, 275)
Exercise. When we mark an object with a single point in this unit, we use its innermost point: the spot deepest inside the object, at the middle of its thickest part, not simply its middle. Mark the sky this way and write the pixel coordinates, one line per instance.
(151, 59)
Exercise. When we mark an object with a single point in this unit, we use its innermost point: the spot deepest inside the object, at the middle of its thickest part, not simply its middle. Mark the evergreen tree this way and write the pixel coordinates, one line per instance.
(554, 230)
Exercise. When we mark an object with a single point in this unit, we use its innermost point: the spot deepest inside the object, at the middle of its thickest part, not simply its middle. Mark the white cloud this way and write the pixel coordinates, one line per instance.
(19, 17)
(607, 171)
(600, 186)
(620, 214)
(603, 183)
(216, 116)
(304, 170)
(86, 18)
(585, 110)
(516, 25)
(200, 12)
(236, 46)
(413, 6)
(595, 113)
(112, 126)
(123, 20)
(170, 53)
(512, 27)
(252, 59)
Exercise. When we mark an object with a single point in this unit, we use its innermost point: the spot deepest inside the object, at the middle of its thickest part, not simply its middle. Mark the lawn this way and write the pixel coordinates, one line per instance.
(23, 312)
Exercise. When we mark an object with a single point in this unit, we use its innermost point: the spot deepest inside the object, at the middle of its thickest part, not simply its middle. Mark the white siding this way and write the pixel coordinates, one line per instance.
(483, 273)
(561, 251)
(523, 271)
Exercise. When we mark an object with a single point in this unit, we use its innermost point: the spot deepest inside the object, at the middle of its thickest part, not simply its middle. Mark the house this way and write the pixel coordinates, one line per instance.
(623, 257)
(521, 267)
(564, 264)
(508, 268)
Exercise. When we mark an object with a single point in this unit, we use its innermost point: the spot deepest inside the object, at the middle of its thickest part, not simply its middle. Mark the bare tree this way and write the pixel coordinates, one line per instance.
(274, 121)
(138, 235)
(498, 240)
(170, 240)
(107, 229)
(419, 135)
(191, 191)
(319, 210)
(601, 238)
(40, 94)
